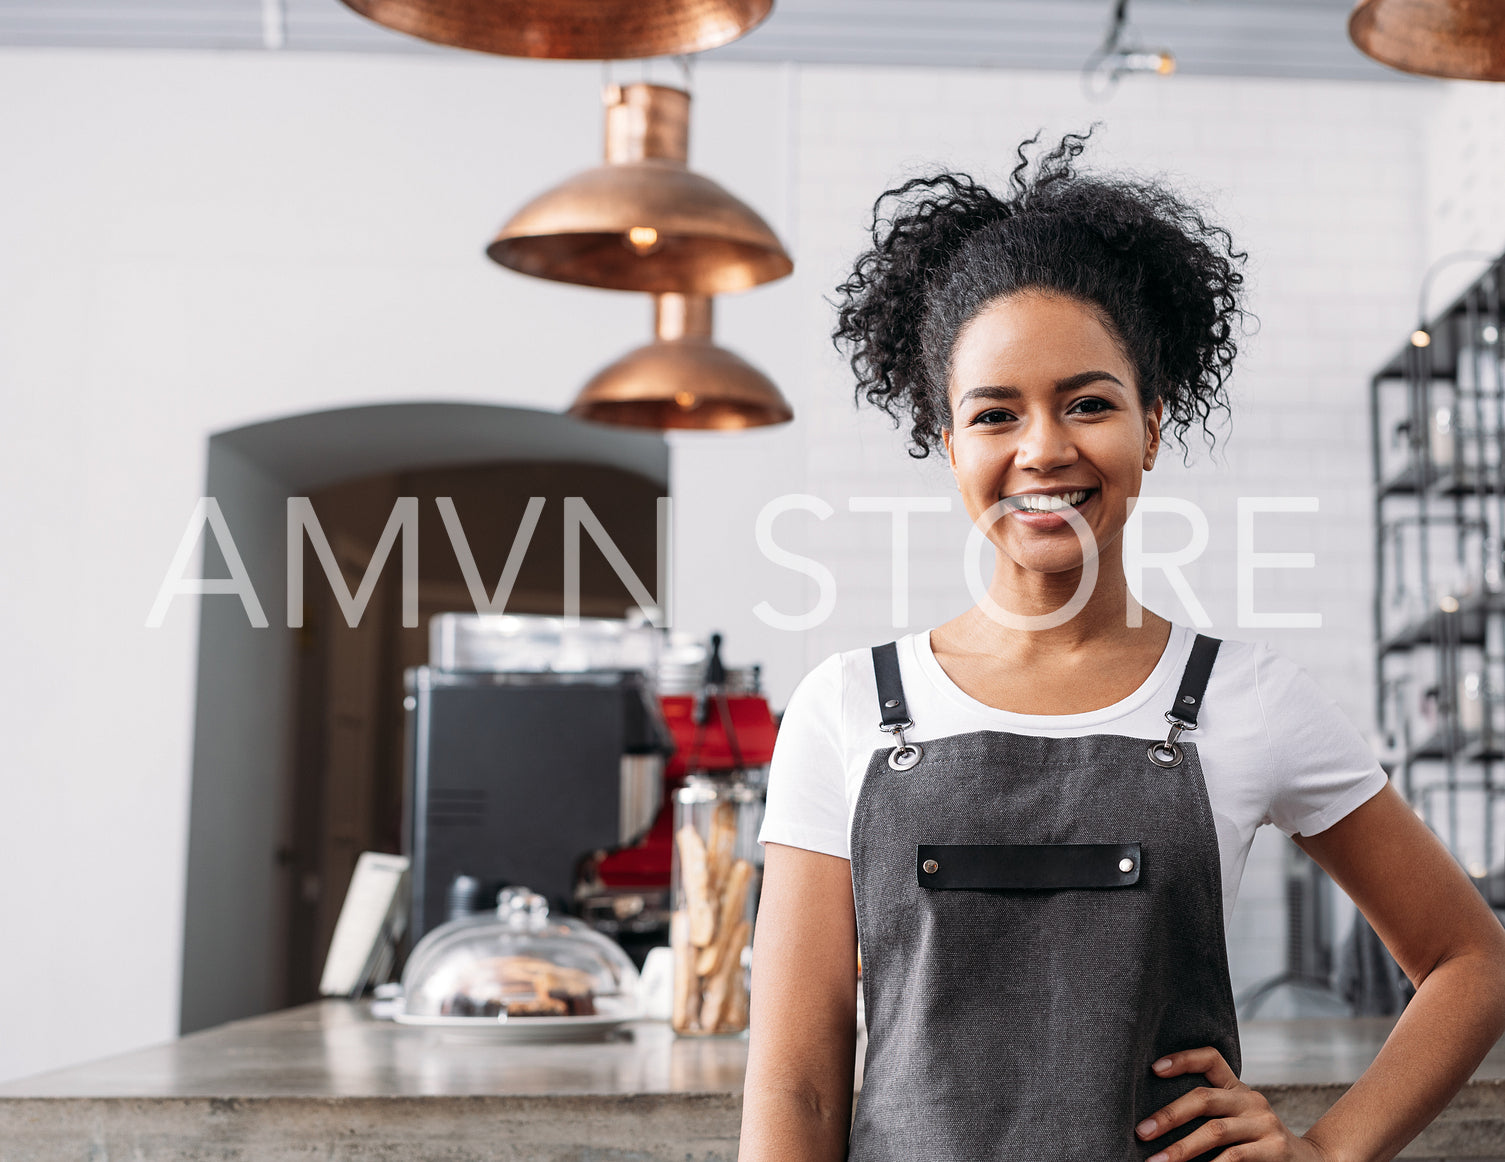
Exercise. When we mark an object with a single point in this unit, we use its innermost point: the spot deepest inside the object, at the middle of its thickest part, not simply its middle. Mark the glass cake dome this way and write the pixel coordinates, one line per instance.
(519, 964)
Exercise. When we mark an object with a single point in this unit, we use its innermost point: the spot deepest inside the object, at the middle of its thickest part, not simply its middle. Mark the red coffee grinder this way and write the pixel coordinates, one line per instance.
(722, 727)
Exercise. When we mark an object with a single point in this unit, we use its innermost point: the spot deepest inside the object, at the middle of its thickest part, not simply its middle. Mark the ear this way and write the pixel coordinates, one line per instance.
(1152, 417)
(950, 451)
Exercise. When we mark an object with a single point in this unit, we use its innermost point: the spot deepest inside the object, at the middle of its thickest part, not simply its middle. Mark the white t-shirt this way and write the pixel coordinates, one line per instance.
(1274, 747)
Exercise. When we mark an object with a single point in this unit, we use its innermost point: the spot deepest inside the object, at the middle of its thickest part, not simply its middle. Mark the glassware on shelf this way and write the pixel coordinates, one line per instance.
(1426, 713)
(1489, 550)
(715, 887)
(1437, 427)
(1394, 719)
(1442, 432)
(1471, 702)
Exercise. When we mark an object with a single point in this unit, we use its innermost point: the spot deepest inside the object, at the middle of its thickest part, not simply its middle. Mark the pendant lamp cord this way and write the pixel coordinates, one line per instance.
(1114, 57)
(683, 62)
(1094, 64)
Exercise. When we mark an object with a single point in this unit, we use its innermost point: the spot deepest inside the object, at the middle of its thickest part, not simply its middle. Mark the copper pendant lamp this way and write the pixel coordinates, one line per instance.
(1459, 39)
(571, 29)
(682, 379)
(643, 221)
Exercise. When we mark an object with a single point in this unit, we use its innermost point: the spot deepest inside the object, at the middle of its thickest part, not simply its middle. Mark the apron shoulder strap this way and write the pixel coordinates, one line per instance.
(1194, 679)
(891, 704)
(894, 711)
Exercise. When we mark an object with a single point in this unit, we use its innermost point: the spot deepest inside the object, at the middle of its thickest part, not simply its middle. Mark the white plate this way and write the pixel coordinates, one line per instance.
(520, 1028)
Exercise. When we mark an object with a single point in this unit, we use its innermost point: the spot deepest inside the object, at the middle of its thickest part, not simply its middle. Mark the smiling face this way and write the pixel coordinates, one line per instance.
(1045, 413)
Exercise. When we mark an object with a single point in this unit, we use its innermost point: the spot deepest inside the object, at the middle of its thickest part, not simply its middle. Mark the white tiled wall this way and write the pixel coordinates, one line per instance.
(1464, 157)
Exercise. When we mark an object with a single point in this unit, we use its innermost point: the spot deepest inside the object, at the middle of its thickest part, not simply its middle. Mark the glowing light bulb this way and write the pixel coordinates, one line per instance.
(1138, 61)
(685, 399)
(1449, 604)
(643, 239)
(1419, 338)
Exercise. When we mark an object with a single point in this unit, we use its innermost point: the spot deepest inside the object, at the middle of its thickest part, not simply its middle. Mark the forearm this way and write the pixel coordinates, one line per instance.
(802, 1038)
(786, 1121)
(1456, 1016)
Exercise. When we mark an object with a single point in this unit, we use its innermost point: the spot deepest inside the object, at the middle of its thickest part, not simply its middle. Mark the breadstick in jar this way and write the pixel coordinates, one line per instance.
(695, 876)
(736, 1008)
(733, 906)
(722, 843)
(686, 983)
(719, 987)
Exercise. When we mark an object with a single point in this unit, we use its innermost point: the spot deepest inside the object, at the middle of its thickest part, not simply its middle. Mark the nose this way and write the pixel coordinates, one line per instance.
(1045, 444)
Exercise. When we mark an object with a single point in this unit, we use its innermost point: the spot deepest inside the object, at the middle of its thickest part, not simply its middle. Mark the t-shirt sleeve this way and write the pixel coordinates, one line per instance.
(1320, 766)
(807, 801)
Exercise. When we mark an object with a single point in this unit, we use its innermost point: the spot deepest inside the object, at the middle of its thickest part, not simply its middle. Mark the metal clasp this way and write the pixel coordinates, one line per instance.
(1169, 753)
(906, 754)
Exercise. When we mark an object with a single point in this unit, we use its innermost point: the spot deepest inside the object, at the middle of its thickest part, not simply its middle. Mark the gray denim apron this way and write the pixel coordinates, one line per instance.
(1040, 919)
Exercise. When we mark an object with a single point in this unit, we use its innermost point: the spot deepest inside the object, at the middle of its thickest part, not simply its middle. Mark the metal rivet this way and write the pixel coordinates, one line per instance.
(931, 867)
(901, 758)
(1165, 754)
(1189, 700)
(1126, 864)
(891, 703)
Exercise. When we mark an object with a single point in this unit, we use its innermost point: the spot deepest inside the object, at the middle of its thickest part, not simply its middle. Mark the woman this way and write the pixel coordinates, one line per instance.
(972, 806)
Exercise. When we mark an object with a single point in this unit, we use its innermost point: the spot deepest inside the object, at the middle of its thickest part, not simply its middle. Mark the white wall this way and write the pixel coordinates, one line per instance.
(193, 242)
(1465, 161)
(232, 932)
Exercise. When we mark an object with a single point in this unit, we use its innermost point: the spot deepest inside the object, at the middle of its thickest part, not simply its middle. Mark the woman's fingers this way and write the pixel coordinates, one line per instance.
(1244, 1138)
(1240, 1124)
(1204, 1101)
(1205, 1060)
(1237, 1115)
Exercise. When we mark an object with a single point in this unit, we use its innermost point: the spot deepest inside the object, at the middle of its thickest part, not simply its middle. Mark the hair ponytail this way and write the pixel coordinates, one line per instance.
(944, 246)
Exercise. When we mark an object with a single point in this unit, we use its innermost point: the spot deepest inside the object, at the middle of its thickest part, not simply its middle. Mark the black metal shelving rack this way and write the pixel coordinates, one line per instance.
(1437, 427)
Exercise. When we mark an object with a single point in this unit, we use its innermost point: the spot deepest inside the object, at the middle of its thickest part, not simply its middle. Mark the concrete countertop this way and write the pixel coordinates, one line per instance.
(328, 1081)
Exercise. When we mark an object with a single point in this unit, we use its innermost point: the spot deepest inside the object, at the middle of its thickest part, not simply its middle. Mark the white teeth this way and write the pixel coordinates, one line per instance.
(1038, 502)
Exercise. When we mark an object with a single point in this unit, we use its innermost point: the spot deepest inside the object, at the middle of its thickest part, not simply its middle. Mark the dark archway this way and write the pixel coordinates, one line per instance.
(295, 768)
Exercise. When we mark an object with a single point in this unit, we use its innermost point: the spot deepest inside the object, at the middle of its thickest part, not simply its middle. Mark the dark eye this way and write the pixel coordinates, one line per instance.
(1091, 405)
(1000, 415)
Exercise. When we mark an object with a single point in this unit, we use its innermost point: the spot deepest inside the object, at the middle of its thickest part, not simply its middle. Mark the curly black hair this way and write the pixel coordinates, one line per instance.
(1163, 279)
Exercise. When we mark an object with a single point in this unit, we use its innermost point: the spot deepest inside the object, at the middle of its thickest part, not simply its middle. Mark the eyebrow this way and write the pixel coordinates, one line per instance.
(1070, 383)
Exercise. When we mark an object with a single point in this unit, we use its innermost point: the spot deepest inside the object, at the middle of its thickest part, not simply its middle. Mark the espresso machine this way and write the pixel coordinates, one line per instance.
(530, 742)
(544, 752)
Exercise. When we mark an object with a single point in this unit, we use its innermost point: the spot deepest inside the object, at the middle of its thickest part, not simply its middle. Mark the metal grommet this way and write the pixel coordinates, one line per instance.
(1162, 754)
(931, 867)
(1126, 864)
(901, 758)
(1189, 700)
(891, 703)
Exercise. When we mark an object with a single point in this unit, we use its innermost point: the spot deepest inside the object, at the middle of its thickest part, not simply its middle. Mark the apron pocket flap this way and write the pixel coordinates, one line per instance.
(1027, 865)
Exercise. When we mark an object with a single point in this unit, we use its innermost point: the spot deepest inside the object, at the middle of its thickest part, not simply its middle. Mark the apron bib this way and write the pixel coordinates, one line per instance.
(1040, 919)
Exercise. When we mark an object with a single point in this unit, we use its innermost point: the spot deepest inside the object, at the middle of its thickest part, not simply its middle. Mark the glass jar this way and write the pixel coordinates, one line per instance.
(716, 878)
(519, 962)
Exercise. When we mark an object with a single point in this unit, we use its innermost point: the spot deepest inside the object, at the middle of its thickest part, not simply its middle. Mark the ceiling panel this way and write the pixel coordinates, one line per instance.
(1274, 38)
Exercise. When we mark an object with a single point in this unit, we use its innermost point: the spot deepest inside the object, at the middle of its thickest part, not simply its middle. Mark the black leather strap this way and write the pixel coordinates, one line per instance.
(1026, 865)
(1194, 679)
(895, 711)
(891, 702)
